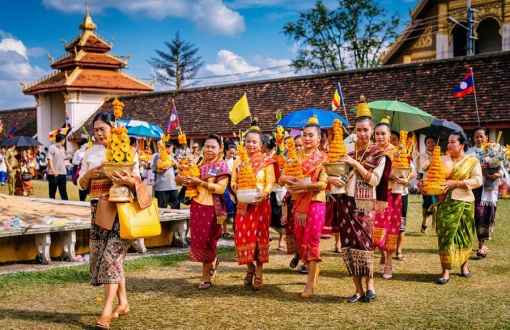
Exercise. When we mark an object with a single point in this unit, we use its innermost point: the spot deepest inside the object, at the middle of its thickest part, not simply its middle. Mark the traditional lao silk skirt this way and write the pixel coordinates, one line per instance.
(308, 236)
(455, 227)
(252, 233)
(290, 240)
(330, 218)
(485, 216)
(107, 252)
(205, 233)
(356, 228)
(387, 224)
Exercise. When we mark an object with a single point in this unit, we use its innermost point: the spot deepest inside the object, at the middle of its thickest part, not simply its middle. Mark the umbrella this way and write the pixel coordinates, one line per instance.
(298, 119)
(140, 128)
(440, 128)
(21, 141)
(402, 115)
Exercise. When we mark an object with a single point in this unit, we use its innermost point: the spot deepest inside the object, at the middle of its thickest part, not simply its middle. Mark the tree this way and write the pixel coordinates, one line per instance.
(179, 67)
(352, 36)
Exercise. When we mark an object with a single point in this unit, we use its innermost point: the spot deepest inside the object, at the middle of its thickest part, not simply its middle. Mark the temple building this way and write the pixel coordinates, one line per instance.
(438, 31)
(86, 76)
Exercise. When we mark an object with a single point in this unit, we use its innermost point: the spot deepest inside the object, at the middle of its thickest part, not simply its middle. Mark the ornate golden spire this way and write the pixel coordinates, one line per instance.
(87, 23)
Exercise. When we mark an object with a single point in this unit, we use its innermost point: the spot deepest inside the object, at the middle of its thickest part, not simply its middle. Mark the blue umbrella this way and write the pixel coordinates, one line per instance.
(298, 119)
(140, 128)
(20, 141)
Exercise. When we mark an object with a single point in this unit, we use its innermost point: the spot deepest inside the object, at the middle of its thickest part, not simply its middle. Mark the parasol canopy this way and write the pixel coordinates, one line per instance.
(298, 119)
(440, 129)
(140, 128)
(21, 141)
(402, 115)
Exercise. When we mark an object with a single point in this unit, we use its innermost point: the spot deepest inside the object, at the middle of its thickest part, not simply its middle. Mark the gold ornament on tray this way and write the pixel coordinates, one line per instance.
(164, 160)
(119, 156)
(187, 165)
(246, 181)
(337, 149)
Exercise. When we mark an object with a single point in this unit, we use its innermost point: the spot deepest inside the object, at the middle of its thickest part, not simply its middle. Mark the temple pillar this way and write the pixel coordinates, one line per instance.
(442, 48)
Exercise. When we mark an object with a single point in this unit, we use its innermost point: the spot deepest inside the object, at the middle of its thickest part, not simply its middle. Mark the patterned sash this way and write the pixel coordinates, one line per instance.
(312, 167)
(218, 170)
(364, 194)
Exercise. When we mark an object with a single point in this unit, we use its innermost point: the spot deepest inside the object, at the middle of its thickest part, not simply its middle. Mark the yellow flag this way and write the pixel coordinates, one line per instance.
(239, 111)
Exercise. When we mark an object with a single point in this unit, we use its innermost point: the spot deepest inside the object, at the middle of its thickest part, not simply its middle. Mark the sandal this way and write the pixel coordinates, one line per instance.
(423, 228)
(337, 250)
(400, 256)
(226, 235)
(205, 285)
(248, 280)
(118, 312)
(212, 272)
(258, 284)
(295, 261)
(303, 269)
(387, 276)
(281, 248)
(382, 262)
(481, 254)
(103, 322)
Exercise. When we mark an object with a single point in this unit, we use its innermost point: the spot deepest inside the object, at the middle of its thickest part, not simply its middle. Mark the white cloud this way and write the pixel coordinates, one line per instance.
(36, 51)
(211, 16)
(15, 66)
(232, 68)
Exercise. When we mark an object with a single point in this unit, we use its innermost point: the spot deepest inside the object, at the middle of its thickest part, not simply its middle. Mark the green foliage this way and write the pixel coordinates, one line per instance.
(179, 67)
(352, 36)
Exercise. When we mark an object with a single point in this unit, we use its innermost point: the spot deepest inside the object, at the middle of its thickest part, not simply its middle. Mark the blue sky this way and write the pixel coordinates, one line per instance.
(234, 36)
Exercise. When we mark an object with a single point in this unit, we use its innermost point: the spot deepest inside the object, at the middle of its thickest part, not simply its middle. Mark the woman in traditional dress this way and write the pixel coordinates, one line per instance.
(208, 210)
(287, 212)
(309, 208)
(107, 249)
(454, 216)
(253, 220)
(486, 198)
(367, 191)
(387, 222)
(23, 187)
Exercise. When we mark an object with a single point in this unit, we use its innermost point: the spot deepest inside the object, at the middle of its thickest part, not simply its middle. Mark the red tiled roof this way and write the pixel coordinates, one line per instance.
(26, 119)
(90, 79)
(89, 60)
(426, 85)
(92, 43)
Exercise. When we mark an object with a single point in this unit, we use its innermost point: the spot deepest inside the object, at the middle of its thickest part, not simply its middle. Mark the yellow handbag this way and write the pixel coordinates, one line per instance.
(136, 222)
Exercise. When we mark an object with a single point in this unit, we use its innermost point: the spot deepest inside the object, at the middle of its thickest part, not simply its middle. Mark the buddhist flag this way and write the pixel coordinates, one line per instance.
(13, 130)
(466, 86)
(174, 119)
(53, 134)
(240, 111)
(338, 98)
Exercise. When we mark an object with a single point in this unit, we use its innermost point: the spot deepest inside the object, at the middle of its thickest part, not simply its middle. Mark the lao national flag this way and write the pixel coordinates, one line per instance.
(466, 86)
(174, 119)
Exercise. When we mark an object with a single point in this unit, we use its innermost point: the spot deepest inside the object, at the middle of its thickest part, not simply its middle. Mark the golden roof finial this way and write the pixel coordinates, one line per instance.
(87, 23)
(51, 58)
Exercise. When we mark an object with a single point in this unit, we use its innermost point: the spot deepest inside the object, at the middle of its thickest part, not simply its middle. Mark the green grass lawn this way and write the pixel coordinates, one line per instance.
(163, 292)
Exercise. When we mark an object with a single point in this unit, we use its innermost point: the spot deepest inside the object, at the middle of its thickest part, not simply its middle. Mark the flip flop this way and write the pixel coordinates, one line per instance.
(400, 257)
(203, 287)
(294, 262)
(212, 272)
(423, 228)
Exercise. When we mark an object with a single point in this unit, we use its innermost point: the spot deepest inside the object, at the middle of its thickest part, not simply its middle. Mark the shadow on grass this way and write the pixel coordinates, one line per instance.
(71, 319)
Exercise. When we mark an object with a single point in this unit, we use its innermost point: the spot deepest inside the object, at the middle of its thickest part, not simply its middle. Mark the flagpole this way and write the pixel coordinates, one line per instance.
(474, 92)
(343, 103)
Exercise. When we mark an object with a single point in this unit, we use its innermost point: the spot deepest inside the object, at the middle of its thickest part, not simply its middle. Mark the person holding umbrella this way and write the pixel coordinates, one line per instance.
(12, 165)
(57, 176)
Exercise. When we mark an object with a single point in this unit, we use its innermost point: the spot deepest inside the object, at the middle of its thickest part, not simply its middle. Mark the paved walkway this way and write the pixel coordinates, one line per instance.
(151, 252)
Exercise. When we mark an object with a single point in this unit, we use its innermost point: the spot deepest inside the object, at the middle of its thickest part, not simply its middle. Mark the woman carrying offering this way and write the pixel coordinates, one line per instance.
(310, 205)
(486, 196)
(454, 216)
(253, 220)
(367, 190)
(107, 248)
(387, 222)
(208, 208)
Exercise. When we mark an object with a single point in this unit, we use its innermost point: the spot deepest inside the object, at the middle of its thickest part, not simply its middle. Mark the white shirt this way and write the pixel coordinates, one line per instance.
(78, 155)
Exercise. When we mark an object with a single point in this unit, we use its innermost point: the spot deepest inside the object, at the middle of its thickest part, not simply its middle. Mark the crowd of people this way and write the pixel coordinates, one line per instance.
(367, 216)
